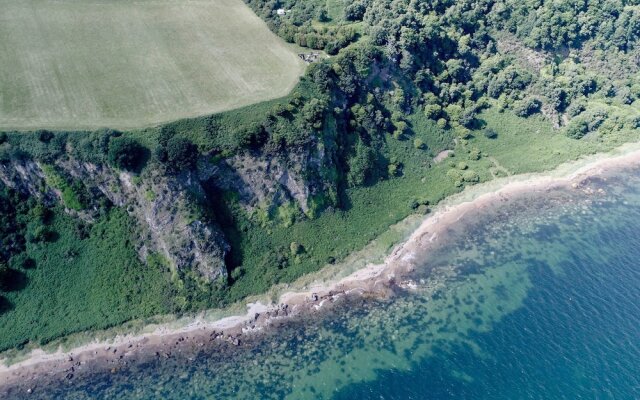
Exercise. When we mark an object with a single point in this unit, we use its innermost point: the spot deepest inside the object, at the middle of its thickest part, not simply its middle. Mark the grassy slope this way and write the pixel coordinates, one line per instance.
(83, 284)
(523, 145)
(85, 64)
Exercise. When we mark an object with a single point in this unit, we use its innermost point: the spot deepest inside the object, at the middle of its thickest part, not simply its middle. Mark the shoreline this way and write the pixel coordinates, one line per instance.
(311, 293)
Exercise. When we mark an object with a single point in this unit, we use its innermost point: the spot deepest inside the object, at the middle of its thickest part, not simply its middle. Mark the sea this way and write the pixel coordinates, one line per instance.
(534, 297)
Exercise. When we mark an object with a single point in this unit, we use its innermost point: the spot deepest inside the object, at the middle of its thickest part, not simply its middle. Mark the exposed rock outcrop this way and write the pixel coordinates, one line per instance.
(261, 179)
(168, 207)
(162, 204)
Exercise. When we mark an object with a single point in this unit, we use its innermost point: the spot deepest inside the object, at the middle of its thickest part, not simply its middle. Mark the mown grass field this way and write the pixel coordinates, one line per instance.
(74, 64)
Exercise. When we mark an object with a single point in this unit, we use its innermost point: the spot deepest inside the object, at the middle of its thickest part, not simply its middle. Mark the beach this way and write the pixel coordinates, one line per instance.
(312, 294)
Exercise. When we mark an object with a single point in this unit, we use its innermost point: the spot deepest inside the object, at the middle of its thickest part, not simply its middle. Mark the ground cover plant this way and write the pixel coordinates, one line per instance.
(78, 277)
(69, 64)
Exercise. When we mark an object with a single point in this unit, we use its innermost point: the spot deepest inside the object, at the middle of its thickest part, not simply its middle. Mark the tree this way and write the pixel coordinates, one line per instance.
(322, 15)
(360, 165)
(181, 154)
(125, 153)
(527, 107)
(45, 136)
(577, 129)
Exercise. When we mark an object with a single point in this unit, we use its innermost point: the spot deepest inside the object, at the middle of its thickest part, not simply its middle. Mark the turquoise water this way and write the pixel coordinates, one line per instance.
(536, 299)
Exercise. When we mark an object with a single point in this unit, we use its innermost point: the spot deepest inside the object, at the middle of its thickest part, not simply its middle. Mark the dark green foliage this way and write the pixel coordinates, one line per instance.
(252, 136)
(182, 154)
(355, 11)
(22, 261)
(527, 107)
(298, 25)
(125, 153)
(578, 129)
(551, 25)
(361, 165)
(490, 133)
(15, 212)
(45, 135)
(91, 146)
(82, 283)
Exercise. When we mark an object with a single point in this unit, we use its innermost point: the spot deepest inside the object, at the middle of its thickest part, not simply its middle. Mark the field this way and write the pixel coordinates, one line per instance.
(74, 64)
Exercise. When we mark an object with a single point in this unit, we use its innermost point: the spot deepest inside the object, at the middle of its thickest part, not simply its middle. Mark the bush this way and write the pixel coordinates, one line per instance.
(432, 111)
(40, 234)
(577, 129)
(125, 153)
(45, 136)
(418, 144)
(471, 176)
(360, 165)
(527, 107)
(454, 174)
(181, 154)
(393, 169)
(22, 261)
(490, 133)
(296, 248)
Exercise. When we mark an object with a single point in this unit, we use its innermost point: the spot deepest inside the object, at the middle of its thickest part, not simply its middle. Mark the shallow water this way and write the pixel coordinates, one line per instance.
(537, 299)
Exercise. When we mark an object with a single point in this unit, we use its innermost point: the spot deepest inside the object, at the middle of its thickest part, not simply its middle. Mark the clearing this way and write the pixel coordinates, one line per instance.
(83, 64)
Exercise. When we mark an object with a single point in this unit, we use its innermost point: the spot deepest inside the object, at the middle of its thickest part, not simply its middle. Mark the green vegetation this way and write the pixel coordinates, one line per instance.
(81, 282)
(172, 60)
(73, 194)
(125, 153)
(502, 89)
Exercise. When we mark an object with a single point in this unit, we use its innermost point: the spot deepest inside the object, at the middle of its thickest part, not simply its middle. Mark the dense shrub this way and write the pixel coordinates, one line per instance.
(181, 153)
(44, 135)
(577, 129)
(471, 176)
(22, 261)
(527, 107)
(490, 133)
(361, 165)
(125, 153)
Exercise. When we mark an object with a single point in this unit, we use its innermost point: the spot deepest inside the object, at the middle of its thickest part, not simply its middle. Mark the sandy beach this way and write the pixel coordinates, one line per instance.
(311, 293)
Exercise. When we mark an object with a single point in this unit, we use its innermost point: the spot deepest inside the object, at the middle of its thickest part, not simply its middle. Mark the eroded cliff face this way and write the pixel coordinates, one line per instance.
(162, 205)
(263, 180)
(170, 208)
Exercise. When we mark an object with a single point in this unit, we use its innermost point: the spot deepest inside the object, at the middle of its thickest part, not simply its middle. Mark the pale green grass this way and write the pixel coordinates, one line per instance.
(72, 64)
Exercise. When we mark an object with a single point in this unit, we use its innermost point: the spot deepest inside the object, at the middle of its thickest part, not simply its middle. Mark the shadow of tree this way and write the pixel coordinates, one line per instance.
(14, 280)
(5, 305)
